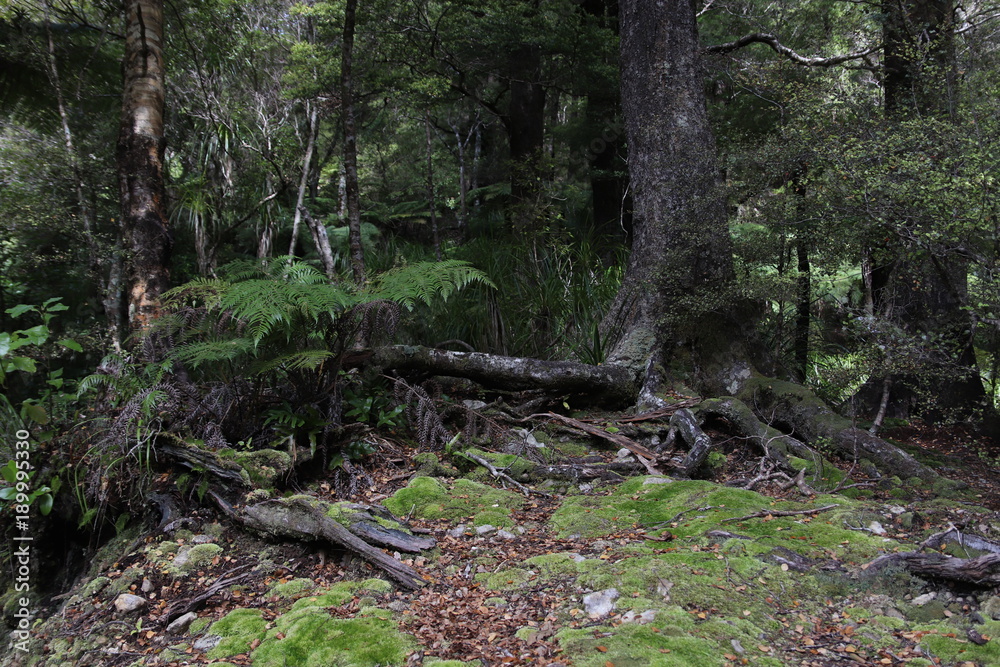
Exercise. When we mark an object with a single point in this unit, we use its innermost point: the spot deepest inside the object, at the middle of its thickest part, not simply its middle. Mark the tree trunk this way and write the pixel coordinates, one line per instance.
(525, 124)
(312, 115)
(352, 193)
(927, 290)
(146, 235)
(431, 199)
(681, 265)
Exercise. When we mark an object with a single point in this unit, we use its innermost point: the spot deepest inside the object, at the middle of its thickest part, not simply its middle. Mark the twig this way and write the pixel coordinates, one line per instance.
(644, 455)
(499, 474)
(765, 513)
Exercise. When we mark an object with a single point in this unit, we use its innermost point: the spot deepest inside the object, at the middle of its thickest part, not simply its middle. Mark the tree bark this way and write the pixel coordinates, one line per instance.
(680, 267)
(525, 123)
(146, 234)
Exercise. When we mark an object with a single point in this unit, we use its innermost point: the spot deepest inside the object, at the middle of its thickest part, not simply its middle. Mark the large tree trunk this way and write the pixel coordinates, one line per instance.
(525, 124)
(146, 235)
(681, 266)
(926, 290)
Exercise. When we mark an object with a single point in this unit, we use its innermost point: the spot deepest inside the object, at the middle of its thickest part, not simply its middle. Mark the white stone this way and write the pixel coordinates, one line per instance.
(206, 643)
(656, 480)
(127, 603)
(600, 603)
(457, 531)
(505, 535)
(485, 529)
(876, 528)
(921, 600)
(645, 617)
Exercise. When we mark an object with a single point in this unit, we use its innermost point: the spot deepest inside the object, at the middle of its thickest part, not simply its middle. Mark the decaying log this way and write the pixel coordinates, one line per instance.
(645, 456)
(196, 458)
(616, 471)
(982, 571)
(610, 386)
(966, 540)
(306, 518)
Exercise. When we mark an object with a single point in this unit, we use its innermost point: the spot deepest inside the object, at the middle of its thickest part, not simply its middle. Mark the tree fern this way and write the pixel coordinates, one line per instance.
(425, 282)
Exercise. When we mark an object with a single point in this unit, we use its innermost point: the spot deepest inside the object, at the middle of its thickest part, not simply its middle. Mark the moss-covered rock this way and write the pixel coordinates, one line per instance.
(264, 466)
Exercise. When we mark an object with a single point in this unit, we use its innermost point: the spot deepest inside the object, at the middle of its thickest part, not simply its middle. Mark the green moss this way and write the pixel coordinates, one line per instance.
(292, 588)
(336, 595)
(498, 518)
(312, 638)
(639, 646)
(428, 498)
(375, 585)
(506, 580)
(956, 648)
(238, 629)
(93, 587)
(190, 559)
(516, 466)
(264, 466)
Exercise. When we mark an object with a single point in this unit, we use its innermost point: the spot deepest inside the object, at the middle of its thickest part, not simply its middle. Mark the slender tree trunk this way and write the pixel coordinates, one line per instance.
(312, 114)
(431, 199)
(525, 123)
(680, 268)
(145, 231)
(352, 193)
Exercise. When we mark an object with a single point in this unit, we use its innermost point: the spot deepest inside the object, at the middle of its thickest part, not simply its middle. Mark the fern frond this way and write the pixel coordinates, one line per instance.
(425, 281)
(202, 352)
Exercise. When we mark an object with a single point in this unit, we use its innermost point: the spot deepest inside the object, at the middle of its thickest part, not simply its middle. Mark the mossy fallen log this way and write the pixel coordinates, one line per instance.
(310, 519)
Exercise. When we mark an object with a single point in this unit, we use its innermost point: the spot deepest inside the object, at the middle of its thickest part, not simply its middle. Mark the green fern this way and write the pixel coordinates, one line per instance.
(286, 316)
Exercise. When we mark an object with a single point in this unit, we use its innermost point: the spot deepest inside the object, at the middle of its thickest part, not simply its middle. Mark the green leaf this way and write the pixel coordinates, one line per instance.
(5, 343)
(8, 493)
(35, 335)
(21, 364)
(9, 472)
(71, 344)
(45, 504)
(36, 413)
(17, 311)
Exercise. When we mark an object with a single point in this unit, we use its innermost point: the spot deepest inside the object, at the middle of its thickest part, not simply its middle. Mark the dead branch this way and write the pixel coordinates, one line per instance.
(781, 49)
(499, 474)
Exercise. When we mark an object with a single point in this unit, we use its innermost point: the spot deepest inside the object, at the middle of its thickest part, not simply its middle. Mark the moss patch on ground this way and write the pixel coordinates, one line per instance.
(429, 498)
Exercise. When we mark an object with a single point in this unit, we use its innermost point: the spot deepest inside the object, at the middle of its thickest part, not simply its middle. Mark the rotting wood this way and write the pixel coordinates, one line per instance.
(965, 540)
(180, 607)
(303, 518)
(645, 456)
(196, 458)
(983, 571)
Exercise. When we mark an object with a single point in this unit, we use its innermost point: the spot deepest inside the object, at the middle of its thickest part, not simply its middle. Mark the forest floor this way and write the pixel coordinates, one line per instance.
(651, 571)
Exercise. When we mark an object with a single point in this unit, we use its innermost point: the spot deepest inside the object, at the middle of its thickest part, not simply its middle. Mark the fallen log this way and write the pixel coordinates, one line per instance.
(610, 386)
(310, 519)
(983, 571)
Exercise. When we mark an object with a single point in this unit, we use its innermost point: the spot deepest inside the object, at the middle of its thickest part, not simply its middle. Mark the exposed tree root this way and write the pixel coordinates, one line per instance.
(810, 419)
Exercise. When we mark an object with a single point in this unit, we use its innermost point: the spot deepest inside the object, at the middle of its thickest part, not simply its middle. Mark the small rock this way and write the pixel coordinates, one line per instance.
(506, 535)
(206, 643)
(600, 603)
(623, 453)
(126, 603)
(181, 624)
(398, 606)
(876, 528)
(577, 558)
(896, 509)
(182, 557)
(921, 600)
(147, 585)
(474, 405)
(457, 531)
(977, 618)
(202, 539)
(485, 529)
(892, 612)
(645, 617)
(656, 480)
(991, 608)
(737, 646)
(586, 487)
